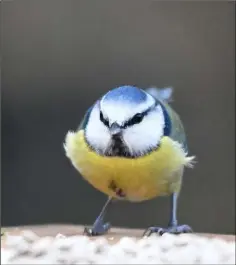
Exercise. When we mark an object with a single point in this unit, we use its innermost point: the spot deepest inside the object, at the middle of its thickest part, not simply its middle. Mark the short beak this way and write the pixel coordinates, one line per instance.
(115, 129)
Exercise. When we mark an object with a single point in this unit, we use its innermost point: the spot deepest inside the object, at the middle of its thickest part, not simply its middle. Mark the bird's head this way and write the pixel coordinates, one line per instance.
(127, 122)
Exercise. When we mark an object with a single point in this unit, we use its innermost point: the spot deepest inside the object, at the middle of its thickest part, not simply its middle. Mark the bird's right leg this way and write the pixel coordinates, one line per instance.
(99, 227)
(173, 227)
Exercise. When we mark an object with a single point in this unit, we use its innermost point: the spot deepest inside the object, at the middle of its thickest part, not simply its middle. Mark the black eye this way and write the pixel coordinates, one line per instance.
(103, 120)
(135, 120)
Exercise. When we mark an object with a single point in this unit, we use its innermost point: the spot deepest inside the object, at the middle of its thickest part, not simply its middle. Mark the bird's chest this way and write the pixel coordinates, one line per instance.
(132, 181)
(135, 179)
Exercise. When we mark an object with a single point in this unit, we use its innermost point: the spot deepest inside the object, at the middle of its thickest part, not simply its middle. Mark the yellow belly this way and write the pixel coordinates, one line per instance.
(143, 178)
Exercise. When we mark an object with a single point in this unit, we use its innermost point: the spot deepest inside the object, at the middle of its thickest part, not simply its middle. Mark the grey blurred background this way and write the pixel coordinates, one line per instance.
(58, 57)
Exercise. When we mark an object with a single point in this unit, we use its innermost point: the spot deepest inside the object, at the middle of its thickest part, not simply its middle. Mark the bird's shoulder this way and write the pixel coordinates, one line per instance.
(173, 125)
(85, 119)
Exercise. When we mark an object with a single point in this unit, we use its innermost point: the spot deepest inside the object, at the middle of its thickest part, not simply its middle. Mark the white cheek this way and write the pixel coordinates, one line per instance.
(141, 137)
(97, 133)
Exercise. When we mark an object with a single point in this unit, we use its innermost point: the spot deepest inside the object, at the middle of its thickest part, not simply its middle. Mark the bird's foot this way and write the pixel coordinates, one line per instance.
(97, 229)
(178, 229)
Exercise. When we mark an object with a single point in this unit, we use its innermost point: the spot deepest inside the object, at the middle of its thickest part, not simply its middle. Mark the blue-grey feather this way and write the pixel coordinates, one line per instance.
(84, 122)
(164, 94)
(129, 94)
(167, 128)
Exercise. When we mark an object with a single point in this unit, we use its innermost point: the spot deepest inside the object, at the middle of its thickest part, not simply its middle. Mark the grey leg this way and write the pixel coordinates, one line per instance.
(99, 227)
(173, 226)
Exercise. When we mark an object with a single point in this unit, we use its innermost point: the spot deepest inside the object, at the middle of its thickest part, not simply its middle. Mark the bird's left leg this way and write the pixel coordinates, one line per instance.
(173, 227)
(99, 227)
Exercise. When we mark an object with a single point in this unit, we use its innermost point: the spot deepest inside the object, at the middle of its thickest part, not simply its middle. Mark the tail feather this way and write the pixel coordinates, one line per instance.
(164, 94)
(190, 161)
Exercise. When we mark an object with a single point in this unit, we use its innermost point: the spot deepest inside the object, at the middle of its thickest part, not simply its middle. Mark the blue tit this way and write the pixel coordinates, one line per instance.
(131, 145)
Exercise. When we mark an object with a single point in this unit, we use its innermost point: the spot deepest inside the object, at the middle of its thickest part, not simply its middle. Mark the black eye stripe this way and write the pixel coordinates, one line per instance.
(138, 117)
(134, 120)
(103, 120)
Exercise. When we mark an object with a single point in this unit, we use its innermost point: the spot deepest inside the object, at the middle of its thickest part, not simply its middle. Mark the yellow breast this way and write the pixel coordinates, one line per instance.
(157, 173)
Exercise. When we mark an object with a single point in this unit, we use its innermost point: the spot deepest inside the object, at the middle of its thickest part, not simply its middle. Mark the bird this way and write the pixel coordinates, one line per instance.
(131, 145)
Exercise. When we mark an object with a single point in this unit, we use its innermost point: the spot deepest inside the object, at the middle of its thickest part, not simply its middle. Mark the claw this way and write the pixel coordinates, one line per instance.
(179, 229)
(97, 230)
